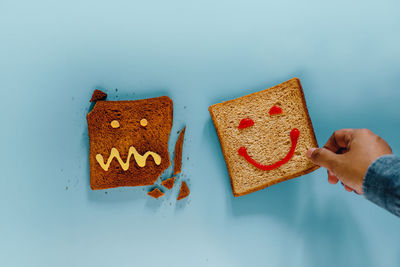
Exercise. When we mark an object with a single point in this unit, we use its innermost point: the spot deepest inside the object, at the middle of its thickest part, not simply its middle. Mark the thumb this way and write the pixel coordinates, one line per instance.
(324, 158)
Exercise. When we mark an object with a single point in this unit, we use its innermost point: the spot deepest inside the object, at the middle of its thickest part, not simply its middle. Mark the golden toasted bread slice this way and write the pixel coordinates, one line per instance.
(264, 136)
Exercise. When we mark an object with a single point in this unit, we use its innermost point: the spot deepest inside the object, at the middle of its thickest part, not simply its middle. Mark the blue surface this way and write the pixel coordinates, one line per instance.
(53, 54)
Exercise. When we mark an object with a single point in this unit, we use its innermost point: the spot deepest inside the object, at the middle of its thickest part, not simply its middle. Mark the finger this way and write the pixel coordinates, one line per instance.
(332, 179)
(323, 157)
(358, 191)
(348, 189)
(339, 140)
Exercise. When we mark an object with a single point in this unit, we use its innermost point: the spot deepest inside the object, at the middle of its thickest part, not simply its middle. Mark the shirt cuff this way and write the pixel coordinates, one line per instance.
(381, 183)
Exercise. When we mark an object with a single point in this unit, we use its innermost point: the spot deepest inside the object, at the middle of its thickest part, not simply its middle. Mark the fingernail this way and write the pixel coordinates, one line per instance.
(309, 152)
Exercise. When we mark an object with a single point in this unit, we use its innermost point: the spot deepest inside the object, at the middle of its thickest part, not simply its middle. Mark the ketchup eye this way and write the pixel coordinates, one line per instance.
(275, 110)
(244, 123)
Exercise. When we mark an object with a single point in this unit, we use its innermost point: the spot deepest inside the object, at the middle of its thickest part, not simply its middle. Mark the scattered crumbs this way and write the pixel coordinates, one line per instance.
(66, 188)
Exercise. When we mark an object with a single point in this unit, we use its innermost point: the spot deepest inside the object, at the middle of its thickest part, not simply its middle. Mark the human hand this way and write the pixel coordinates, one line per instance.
(347, 156)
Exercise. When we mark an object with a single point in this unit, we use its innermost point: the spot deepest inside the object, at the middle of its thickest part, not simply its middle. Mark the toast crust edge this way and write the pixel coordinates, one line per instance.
(282, 179)
(222, 146)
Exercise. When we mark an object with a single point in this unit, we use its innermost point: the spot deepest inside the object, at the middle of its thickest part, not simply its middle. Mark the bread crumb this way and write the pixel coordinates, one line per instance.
(184, 191)
(156, 193)
(168, 183)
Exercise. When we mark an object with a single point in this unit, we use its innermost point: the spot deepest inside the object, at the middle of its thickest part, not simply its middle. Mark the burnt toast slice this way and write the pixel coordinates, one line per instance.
(129, 141)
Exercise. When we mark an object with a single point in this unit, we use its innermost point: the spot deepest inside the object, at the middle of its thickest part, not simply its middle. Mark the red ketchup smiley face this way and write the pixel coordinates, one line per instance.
(294, 137)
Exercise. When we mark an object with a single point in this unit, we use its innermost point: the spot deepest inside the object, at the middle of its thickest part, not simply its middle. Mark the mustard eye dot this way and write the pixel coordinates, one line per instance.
(143, 122)
(115, 124)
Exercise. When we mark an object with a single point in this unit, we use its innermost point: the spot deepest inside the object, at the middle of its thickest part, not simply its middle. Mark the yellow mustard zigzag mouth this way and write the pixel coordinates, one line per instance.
(140, 159)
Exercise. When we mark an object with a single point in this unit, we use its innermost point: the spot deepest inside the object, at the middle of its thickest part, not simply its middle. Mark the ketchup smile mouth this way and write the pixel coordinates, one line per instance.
(294, 137)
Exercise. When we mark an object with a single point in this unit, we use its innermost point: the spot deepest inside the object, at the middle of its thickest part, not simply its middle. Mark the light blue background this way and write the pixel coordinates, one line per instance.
(53, 54)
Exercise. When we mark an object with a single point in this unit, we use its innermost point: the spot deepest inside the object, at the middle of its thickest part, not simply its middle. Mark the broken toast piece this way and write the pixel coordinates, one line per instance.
(168, 183)
(98, 95)
(178, 152)
(156, 193)
(184, 191)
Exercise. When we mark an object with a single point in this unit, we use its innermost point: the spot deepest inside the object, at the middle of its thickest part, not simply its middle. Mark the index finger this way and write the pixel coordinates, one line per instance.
(339, 140)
